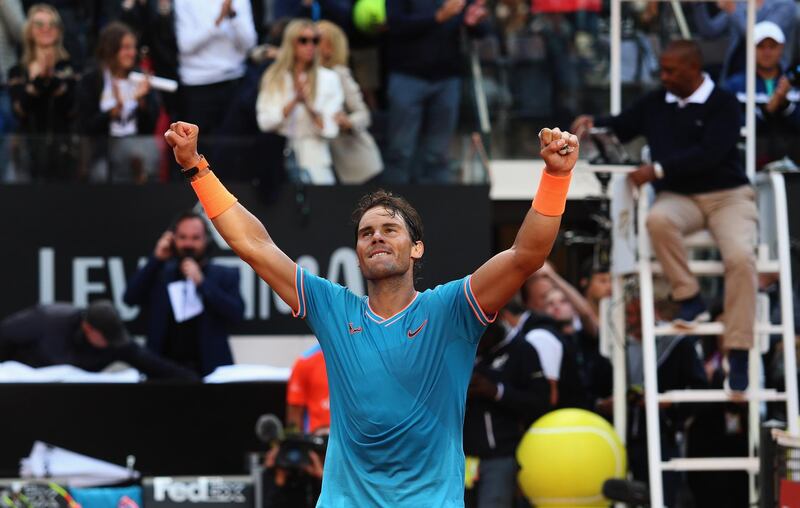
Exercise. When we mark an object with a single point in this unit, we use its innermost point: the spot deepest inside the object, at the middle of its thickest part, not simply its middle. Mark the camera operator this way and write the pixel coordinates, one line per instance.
(294, 464)
(777, 97)
(191, 303)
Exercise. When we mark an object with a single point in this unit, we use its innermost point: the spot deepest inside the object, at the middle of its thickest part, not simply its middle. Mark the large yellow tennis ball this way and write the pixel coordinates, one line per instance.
(566, 456)
(368, 15)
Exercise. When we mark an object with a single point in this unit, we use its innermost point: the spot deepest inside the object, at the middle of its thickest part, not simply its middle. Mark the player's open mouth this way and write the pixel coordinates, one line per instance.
(379, 253)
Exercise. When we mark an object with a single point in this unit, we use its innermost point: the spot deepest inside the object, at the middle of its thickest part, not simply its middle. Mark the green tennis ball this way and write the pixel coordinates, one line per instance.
(369, 14)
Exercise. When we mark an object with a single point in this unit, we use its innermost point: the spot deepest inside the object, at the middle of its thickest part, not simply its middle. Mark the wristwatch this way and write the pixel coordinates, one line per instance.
(201, 165)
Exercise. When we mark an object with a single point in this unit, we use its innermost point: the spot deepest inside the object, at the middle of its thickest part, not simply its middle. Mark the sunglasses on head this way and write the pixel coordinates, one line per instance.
(308, 40)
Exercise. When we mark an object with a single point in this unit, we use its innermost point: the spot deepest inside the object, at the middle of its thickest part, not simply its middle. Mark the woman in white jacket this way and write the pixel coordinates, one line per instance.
(299, 99)
(355, 155)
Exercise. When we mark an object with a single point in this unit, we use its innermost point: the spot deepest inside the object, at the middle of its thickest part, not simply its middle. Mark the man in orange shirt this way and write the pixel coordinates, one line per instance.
(307, 394)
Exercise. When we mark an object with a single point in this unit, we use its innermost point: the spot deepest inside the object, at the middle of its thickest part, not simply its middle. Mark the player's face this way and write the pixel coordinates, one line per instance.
(190, 237)
(384, 245)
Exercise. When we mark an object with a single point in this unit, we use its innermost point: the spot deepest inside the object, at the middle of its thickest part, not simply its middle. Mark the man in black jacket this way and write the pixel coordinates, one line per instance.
(507, 392)
(180, 261)
(692, 128)
(90, 339)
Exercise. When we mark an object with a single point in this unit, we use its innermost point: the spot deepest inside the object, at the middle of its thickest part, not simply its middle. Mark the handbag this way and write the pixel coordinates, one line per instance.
(356, 157)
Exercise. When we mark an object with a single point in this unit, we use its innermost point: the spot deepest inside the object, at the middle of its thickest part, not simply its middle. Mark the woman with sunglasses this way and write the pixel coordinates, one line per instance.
(299, 99)
(42, 89)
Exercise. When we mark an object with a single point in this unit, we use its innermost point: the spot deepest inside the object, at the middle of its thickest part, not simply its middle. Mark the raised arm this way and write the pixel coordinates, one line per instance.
(496, 281)
(245, 234)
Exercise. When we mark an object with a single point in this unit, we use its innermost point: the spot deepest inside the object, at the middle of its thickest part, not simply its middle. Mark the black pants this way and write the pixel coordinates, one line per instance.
(206, 106)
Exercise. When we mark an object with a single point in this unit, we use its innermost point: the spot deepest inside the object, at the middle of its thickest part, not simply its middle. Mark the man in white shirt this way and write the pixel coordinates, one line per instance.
(213, 39)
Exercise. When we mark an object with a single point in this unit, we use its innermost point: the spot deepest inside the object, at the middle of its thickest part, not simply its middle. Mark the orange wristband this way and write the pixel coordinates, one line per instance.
(213, 195)
(551, 197)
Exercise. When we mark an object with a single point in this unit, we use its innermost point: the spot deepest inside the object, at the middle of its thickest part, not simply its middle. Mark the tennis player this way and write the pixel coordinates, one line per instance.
(399, 361)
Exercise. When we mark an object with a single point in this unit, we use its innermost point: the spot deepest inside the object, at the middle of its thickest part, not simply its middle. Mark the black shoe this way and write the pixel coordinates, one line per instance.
(737, 369)
(692, 311)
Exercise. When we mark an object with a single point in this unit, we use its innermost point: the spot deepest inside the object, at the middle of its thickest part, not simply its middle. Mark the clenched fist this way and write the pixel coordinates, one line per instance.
(182, 137)
(559, 150)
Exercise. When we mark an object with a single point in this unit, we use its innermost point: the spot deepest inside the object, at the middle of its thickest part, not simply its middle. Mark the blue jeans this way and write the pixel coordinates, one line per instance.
(8, 125)
(498, 482)
(422, 119)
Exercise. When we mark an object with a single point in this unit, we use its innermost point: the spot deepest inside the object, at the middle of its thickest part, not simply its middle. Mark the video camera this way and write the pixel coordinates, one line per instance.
(294, 449)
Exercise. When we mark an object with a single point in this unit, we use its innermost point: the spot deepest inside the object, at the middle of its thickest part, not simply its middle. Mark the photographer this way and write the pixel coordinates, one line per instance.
(294, 471)
(777, 97)
(191, 303)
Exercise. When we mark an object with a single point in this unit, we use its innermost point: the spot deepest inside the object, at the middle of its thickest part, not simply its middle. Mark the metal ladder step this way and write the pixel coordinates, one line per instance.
(720, 396)
(718, 268)
(749, 464)
(713, 328)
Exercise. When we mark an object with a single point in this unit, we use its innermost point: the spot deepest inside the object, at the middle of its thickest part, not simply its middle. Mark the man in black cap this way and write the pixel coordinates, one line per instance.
(90, 339)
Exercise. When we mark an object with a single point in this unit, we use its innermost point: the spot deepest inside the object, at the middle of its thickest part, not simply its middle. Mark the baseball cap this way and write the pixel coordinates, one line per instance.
(768, 30)
(102, 315)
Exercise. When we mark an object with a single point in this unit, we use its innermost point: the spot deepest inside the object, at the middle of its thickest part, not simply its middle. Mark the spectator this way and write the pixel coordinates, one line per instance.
(90, 339)
(12, 19)
(595, 283)
(308, 406)
(177, 278)
(558, 358)
(114, 106)
(731, 21)
(424, 61)
(299, 99)
(594, 371)
(355, 155)
(154, 23)
(507, 392)
(777, 108)
(692, 128)
(42, 89)
(213, 38)
(583, 314)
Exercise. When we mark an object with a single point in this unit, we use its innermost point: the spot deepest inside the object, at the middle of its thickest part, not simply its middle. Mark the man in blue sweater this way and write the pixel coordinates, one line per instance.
(425, 61)
(692, 128)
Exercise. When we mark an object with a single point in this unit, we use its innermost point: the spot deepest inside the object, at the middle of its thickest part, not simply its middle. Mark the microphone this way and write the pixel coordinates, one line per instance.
(269, 428)
(161, 84)
(627, 491)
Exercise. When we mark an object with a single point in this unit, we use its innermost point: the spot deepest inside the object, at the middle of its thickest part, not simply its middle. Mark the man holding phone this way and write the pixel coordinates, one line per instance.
(190, 302)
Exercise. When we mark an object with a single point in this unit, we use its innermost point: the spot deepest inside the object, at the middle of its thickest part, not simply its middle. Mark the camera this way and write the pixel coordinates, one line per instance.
(294, 449)
(793, 75)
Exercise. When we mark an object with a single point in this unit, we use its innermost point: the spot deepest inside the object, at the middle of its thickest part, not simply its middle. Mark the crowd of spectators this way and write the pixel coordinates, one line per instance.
(402, 95)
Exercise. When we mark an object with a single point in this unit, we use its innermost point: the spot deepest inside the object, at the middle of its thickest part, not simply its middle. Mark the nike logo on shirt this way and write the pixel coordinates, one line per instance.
(413, 334)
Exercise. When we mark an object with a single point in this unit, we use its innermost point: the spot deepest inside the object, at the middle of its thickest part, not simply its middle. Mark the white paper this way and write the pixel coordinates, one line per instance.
(46, 461)
(623, 234)
(185, 301)
(243, 373)
(15, 372)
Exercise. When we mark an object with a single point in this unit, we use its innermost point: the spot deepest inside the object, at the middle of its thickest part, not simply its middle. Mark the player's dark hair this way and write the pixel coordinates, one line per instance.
(397, 206)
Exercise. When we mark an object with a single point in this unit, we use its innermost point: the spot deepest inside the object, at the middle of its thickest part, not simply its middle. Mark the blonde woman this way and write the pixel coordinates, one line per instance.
(299, 99)
(42, 90)
(355, 154)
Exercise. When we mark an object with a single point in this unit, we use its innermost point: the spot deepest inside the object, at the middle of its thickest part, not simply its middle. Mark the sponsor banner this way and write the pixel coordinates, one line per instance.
(205, 491)
(79, 243)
